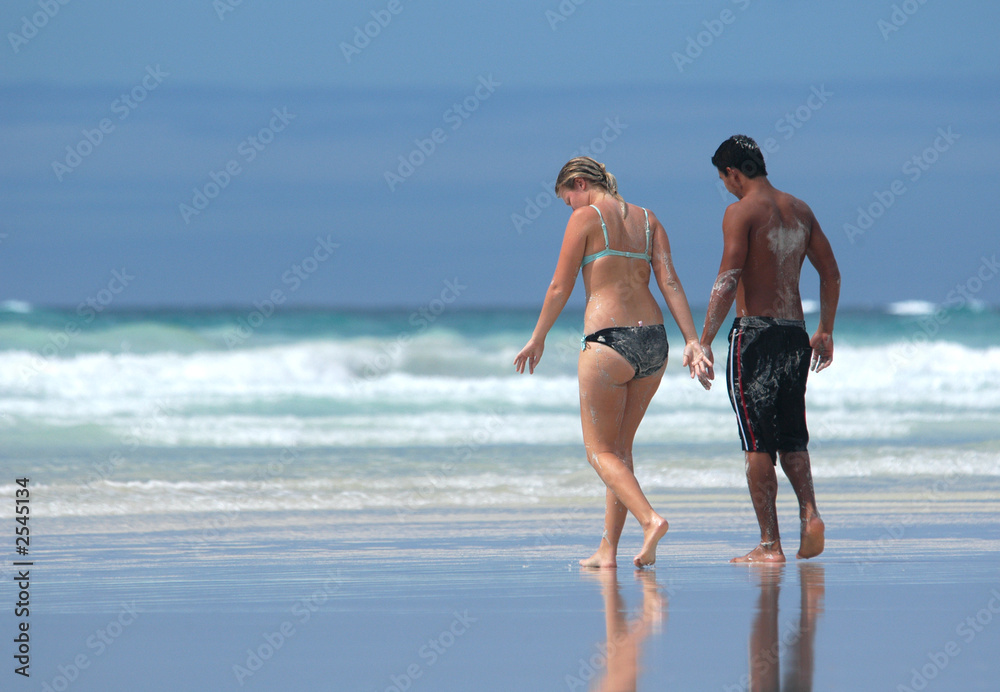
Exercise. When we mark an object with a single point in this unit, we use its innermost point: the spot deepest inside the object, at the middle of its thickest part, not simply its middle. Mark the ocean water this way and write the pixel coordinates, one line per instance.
(182, 412)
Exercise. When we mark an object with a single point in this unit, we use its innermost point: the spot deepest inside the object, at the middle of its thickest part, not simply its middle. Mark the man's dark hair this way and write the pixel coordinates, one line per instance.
(743, 154)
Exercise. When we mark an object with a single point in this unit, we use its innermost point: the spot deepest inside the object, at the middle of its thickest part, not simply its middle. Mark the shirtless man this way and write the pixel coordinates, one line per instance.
(767, 235)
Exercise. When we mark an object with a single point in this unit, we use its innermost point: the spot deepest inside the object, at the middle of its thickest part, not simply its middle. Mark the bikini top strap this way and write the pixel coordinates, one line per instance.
(646, 212)
(603, 228)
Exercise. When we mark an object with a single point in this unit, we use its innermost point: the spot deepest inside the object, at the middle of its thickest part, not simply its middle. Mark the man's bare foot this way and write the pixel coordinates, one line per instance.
(651, 536)
(811, 577)
(765, 552)
(813, 538)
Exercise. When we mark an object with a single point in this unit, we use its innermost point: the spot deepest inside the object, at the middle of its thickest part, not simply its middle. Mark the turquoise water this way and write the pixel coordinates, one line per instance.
(184, 411)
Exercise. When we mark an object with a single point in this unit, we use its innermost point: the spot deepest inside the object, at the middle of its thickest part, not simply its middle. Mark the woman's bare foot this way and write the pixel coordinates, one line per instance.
(765, 552)
(651, 536)
(603, 558)
(813, 538)
(653, 602)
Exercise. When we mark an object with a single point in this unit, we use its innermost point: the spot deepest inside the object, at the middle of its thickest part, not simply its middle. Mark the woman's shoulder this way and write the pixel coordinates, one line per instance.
(640, 212)
(583, 220)
(585, 214)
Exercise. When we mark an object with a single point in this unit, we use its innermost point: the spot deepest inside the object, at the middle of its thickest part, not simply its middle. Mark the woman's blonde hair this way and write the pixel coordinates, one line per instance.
(594, 173)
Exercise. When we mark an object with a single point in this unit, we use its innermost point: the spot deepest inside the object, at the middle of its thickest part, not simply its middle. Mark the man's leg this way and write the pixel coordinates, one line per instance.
(799, 471)
(762, 482)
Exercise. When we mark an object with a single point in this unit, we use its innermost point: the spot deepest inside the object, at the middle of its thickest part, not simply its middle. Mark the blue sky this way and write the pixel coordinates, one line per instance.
(346, 168)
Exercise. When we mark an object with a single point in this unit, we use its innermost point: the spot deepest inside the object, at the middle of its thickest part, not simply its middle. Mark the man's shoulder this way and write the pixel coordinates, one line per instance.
(749, 208)
(788, 199)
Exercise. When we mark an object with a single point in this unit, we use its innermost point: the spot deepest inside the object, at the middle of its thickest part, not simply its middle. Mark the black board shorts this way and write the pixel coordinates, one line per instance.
(766, 376)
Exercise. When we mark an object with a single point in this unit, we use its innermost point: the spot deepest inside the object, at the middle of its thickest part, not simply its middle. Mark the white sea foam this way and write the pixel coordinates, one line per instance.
(485, 482)
(387, 416)
(310, 394)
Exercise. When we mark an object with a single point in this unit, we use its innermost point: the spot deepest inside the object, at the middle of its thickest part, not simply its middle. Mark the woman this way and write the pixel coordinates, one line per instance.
(624, 350)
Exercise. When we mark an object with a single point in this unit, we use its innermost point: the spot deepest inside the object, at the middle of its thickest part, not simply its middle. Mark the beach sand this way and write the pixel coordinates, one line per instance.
(906, 597)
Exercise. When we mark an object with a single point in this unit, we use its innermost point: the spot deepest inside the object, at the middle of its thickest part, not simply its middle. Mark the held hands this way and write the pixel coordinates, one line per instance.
(822, 346)
(530, 354)
(699, 359)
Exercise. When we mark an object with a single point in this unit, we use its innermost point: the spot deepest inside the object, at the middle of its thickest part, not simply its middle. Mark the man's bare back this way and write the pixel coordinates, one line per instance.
(767, 236)
(778, 228)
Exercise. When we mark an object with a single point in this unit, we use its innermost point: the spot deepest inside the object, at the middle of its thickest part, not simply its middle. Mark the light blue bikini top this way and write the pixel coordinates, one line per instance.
(618, 253)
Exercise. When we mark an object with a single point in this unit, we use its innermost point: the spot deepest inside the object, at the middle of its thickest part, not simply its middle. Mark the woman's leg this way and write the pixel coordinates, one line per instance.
(638, 394)
(612, 405)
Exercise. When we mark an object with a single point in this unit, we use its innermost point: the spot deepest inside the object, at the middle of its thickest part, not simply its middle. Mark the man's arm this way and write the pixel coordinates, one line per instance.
(820, 255)
(735, 234)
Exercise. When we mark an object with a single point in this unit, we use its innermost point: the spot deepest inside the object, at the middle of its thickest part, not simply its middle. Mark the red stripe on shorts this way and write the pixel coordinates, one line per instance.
(739, 377)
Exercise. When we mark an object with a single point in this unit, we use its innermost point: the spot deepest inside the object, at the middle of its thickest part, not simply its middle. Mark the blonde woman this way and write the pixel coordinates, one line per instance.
(618, 246)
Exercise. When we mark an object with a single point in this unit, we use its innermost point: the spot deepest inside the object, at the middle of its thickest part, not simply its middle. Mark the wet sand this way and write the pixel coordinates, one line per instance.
(906, 597)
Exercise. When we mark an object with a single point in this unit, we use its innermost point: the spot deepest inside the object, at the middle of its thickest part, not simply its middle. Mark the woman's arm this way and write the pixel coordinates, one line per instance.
(560, 288)
(677, 302)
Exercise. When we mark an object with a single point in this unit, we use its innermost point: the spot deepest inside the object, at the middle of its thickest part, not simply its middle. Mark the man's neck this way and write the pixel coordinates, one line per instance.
(755, 185)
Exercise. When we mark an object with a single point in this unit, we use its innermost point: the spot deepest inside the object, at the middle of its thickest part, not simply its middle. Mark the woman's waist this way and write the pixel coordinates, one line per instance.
(601, 316)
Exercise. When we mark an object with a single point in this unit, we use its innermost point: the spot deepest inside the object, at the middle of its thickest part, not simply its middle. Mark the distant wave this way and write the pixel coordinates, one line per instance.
(911, 307)
(19, 307)
(453, 343)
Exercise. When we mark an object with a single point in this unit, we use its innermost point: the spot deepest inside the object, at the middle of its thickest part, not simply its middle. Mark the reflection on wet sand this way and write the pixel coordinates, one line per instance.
(624, 638)
(765, 645)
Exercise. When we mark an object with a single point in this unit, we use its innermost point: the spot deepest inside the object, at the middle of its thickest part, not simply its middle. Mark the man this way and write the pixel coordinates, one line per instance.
(767, 235)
